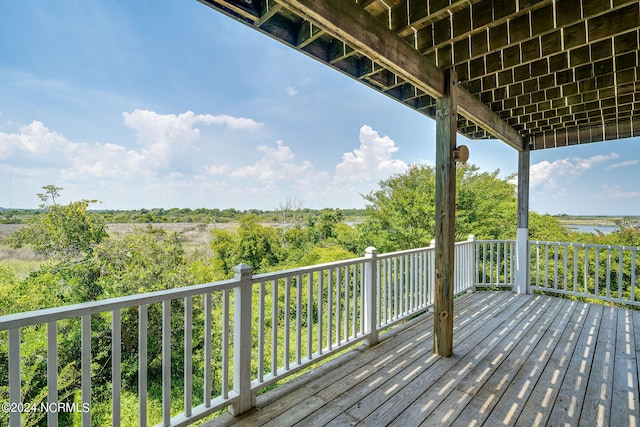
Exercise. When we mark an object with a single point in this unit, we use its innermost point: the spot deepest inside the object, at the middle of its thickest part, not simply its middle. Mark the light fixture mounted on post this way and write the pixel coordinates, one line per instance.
(461, 154)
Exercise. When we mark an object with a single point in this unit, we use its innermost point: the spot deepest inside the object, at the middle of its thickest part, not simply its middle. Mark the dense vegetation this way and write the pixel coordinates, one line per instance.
(83, 262)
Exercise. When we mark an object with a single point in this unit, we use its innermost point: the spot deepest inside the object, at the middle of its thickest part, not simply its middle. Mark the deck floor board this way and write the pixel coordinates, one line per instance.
(520, 360)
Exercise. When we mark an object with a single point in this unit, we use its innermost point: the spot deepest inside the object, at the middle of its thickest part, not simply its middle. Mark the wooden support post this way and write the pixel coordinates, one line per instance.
(242, 341)
(446, 122)
(521, 284)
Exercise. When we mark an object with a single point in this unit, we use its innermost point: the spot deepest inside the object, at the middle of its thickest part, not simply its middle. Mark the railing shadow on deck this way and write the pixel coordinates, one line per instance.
(221, 343)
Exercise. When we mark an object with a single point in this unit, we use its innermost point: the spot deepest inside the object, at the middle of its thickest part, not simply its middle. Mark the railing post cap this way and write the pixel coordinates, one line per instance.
(432, 243)
(242, 271)
(471, 237)
(370, 250)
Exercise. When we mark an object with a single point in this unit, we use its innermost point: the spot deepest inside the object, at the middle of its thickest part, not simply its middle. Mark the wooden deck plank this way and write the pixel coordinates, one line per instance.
(625, 401)
(511, 404)
(568, 404)
(364, 398)
(518, 360)
(538, 408)
(328, 382)
(405, 405)
(596, 409)
(494, 386)
(496, 349)
(391, 407)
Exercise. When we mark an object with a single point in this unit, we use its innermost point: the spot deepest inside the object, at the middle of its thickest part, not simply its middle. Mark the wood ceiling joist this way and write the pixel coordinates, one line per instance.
(526, 69)
(358, 28)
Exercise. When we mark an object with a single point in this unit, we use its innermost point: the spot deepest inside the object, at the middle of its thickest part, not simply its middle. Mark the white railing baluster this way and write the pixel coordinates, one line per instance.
(498, 267)
(85, 379)
(320, 310)
(566, 273)
(585, 267)
(330, 309)
(354, 309)
(142, 364)
(208, 356)
(347, 278)
(52, 371)
(15, 392)
(397, 298)
(546, 265)
(633, 275)
(309, 315)
(393, 290)
(575, 268)
(274, 327)
(188, 356)
(166, 363)
(555, 267)
(287, 325)
(261, 300)
(491, 278)
(116, 377)
(226, 325)
(338, 305)
(298, 319)
(596, 281)
(608, 292)
(620, 270)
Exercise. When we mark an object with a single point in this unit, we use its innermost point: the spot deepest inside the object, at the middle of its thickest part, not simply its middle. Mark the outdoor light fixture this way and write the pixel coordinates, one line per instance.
(461, 154)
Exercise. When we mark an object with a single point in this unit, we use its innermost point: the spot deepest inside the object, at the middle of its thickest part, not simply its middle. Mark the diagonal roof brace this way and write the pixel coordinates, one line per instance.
(352, 24)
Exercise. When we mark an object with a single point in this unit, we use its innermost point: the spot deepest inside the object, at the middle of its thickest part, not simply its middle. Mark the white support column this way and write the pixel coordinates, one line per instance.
(371, 296)
(521, 285)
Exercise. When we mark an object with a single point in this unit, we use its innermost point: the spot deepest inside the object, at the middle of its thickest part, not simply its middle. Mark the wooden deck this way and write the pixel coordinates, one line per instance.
(518, 360)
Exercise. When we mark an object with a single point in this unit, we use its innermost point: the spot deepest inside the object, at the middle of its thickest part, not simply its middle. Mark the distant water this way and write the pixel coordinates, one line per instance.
(605, 229)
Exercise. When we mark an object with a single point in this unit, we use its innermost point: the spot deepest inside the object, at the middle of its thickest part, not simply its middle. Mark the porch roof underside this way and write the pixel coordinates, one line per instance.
(539, 72)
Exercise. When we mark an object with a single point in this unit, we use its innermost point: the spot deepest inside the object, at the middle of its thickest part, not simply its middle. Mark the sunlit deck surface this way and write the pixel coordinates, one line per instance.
(518, 360)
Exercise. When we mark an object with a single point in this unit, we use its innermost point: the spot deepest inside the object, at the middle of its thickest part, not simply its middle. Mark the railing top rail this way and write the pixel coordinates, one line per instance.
(584, 245)
(405, 252)
(17, 320)
(276, 275)
(495, 241)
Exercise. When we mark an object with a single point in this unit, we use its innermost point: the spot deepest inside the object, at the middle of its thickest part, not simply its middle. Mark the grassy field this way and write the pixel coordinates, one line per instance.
(24, 260)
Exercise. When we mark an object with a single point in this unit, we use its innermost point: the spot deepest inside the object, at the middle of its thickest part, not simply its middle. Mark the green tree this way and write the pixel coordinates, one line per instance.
(401, 213)
(486, 205)
(63, 232)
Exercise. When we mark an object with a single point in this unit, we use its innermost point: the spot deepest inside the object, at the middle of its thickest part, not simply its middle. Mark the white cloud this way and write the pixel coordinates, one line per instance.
(372, 161)
(153, 128)
(35, 145)
(167, 150)
(278, 164)
(547, 173)
(622, 164)
(615, 192)
(291, 91)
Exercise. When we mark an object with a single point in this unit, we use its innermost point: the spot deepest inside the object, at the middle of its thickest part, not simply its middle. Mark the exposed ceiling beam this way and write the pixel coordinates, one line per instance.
(355, 26)
(352, 24)
(480, 114)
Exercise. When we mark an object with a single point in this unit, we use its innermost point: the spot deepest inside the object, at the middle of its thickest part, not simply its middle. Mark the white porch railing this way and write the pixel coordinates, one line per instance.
(495, 263)
(602, 272)
(301, 316)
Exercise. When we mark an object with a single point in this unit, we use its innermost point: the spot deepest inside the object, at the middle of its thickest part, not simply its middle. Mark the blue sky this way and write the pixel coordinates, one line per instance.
(143, 104)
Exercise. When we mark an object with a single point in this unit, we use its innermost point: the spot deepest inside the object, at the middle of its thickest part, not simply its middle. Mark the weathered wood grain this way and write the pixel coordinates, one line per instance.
(521, 360)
